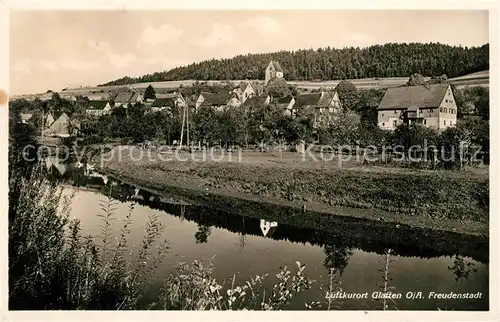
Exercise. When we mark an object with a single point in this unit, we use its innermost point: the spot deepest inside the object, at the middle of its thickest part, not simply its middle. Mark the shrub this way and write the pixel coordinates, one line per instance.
(52, 266)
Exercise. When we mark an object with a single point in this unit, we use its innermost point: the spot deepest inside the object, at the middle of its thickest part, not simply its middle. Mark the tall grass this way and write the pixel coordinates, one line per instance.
(52, 265)
(193, 287)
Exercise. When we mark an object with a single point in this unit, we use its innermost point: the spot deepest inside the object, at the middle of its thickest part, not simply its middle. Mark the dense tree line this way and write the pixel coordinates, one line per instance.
(389, 60)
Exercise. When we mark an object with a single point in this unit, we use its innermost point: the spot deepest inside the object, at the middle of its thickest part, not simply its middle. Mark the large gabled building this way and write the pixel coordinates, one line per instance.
(429, 105)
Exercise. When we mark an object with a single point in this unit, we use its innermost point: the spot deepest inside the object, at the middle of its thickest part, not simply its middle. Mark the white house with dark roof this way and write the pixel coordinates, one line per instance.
(273, 70)
(429, 105)
(217, 101)
(168, 101)
(98, 108)
(317, 103)
(125, 99)
(285, 103)
(247, 92)
(256, 102)
(63, 127)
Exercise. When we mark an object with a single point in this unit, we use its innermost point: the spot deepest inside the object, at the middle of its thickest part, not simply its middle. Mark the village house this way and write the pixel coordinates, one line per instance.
(247, 90)
(285, 103)
(63, 127)
(429, 105)
(168, 102)
(256, 102)
(98, 108)
(317, 103)
(234, 101)
(273, 70)
(125, 99)
(49, 119)
(217, 101)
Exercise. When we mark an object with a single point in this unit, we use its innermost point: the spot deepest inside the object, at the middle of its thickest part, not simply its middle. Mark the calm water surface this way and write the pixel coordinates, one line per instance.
(238, 246)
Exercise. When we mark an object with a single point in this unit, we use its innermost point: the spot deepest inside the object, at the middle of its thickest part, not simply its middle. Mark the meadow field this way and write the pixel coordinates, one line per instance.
(475, 79)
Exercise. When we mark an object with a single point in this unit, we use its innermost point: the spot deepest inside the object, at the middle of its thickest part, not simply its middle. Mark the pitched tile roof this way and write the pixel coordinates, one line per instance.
(310, 99)
(255, 101)
(413, 96)
(97, 105)
(215, 99)
(326, 99)
(322, 99)
(277, 66)
(123, 97)
(284, 100)
(134, 96)
(165, 101)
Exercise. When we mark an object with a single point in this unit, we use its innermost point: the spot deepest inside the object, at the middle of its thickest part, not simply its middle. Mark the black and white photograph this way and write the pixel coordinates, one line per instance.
(250, 159)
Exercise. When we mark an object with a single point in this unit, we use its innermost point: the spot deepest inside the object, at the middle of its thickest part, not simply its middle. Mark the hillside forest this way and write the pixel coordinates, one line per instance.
(379, 61)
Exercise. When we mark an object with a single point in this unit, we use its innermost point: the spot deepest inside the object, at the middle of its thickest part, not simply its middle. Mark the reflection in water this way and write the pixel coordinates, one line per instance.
(202, 234)
(461, 268)
(242, 240)
(336, 259)
(268, 227)
(347, 253)
(338, 235)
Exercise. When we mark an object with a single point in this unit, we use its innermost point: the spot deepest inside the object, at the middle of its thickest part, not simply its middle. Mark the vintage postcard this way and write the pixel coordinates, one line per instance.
(292, 159)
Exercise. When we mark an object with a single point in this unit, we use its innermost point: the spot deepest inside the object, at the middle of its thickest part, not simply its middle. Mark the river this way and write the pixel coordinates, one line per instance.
(247, 246)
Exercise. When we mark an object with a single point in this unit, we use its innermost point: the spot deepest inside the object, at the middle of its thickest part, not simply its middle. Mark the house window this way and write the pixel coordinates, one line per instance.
(431, 111)
(445, 110)
(395, 111)
(451, 123)
(444, 122)
(383, 124)
(425, 122)
(446, 101)
(395, 123)
(382, 114)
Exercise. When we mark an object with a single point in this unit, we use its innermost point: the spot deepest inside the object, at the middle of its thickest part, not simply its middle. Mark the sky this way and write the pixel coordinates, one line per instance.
(58, 49)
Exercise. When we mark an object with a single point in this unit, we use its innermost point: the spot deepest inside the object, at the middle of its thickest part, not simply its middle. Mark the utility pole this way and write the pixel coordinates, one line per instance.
(188, 143)
(43, 123)
(182, 127)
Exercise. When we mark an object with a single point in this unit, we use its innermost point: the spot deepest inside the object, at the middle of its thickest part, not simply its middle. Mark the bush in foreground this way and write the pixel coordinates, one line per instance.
(53, 266)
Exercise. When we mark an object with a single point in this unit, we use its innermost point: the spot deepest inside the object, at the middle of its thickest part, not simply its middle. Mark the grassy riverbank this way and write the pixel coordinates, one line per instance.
(449, 200)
